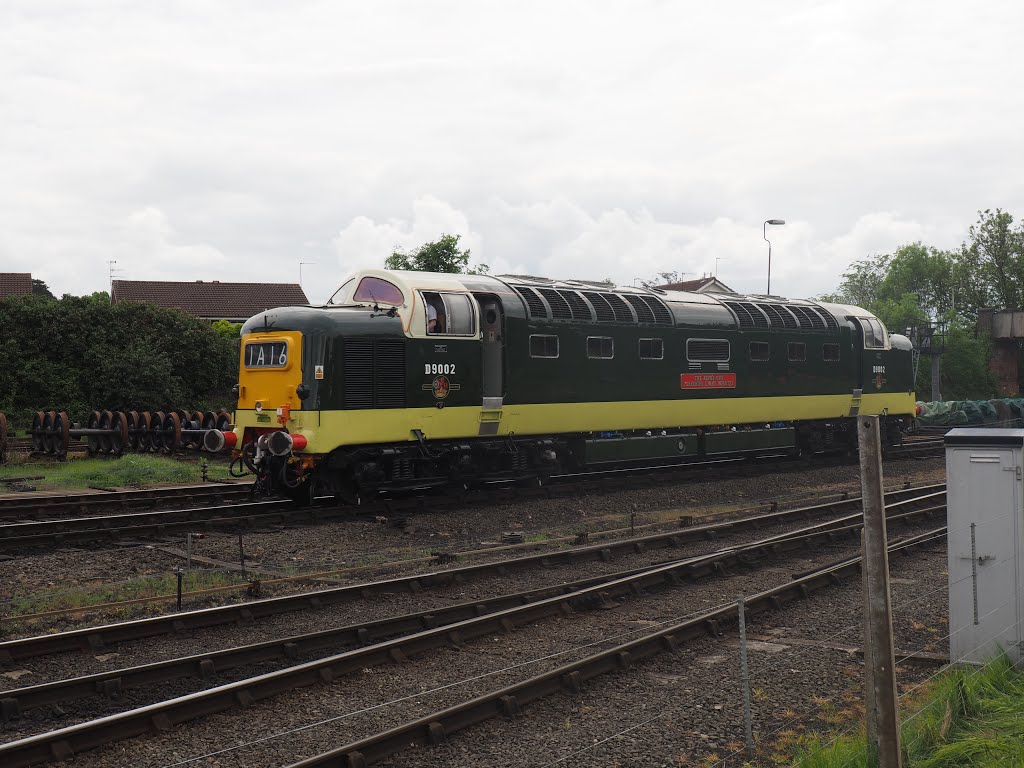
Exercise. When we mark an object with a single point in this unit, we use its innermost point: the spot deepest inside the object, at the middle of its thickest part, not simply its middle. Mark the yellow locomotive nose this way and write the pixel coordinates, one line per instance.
(270, 371)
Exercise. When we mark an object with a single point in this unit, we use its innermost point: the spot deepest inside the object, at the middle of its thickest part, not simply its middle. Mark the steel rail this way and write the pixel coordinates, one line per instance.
(150, 523)
(66, 742)
(97, 638)
(36, 506)
(569, 678)
(114, 682)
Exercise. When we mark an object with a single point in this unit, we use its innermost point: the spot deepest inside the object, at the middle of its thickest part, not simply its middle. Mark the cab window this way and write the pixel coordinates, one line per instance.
(449, 314)
(875, 335)
(379, 291)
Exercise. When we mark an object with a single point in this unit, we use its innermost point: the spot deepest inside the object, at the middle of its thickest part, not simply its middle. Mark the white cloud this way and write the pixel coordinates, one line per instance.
(574, 138)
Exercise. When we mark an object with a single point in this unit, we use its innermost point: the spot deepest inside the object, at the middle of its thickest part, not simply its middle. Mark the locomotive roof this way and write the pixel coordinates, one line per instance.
(564, 300)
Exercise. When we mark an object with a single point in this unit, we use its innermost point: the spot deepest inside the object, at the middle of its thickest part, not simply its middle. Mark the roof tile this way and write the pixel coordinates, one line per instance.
(210, 299)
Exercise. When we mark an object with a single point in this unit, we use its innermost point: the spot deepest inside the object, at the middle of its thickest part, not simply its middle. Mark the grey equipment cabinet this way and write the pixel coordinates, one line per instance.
(985, 521)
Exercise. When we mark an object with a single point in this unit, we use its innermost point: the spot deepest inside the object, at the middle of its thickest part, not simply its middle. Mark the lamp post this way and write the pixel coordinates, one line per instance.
(764, 232)
(718, 259)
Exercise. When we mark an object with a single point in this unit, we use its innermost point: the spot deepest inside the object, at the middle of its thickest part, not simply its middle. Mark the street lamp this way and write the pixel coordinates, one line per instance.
(764, 232)
(718, 259)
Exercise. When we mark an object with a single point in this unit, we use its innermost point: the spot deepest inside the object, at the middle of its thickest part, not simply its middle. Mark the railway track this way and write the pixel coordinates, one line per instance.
(437, 727)
(27, 530)
(97, 638)
(51, 505)
(430, 629)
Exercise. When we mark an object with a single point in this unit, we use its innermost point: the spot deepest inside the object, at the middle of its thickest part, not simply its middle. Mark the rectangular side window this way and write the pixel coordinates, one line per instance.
(797, 351)
(543, 346)
(830, 352)
(651, 349)
(707, 350)
(760, 351)
(600, 347)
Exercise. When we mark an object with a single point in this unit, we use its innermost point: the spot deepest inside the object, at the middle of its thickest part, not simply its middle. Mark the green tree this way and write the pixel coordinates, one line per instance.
(441, 255)
(80, 353)
(990, 266)
(40, 288)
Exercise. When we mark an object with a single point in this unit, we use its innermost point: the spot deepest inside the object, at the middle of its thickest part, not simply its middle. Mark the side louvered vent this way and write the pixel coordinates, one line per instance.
(809, 319)
(662, 316)
(620, 308)
(358, 371)
(779, 316)
(580, 308)
(559, 306)
(643, 312)
(374, 373)
(389, 373)
(747, 314)
(533, 302)
(604, 311)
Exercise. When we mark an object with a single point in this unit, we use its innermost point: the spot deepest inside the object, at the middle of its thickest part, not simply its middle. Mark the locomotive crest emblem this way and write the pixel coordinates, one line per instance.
(441, 386)
(879, 380)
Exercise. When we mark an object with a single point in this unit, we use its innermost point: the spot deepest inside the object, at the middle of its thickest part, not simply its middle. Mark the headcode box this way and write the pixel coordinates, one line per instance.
(985, 499)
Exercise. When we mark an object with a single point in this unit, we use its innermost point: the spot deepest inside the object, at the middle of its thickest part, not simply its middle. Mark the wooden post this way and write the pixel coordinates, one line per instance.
(880, 684)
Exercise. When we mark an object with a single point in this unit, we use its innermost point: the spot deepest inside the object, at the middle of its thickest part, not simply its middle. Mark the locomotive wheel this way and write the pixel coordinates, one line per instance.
(172, 432)
(119, 435)
(92, 442)
(157, 431)
(145, 431)
(49, 444)
(209, 420)
(133, 430)
(185, 422)
(38, 446)
(107, 423)
(223, 422)
(62, 437)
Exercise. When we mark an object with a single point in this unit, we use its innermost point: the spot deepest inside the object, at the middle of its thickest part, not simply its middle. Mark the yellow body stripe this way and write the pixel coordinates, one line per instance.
(326, 430)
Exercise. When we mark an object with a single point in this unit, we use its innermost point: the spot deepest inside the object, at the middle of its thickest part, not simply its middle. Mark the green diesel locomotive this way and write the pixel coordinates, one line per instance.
(411, 379)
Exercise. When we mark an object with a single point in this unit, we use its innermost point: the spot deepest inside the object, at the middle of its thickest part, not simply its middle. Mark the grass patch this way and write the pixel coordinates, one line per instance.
(87, 596)
(129, 471)
(971, 717)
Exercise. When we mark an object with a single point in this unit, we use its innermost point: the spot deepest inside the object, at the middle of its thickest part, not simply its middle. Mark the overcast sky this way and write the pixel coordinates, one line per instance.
(223, 140)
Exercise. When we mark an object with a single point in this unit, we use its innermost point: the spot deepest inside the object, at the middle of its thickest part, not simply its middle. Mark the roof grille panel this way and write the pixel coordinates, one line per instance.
(533, 301)
(778, 316)
(604, 311)
(662, 316)
(809, 320)
(643, 311)
(623, 313)
(559, 306)
(747, 314)
(580, 308)
(830, 321)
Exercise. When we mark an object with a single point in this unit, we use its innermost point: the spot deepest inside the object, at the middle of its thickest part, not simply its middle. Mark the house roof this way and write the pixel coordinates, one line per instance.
(15, 284)
(212, 300)
(708, 284)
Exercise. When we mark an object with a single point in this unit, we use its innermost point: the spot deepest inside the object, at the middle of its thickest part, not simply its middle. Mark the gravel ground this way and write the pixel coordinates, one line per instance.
(701, 722)
(341, 544)
(43, 669)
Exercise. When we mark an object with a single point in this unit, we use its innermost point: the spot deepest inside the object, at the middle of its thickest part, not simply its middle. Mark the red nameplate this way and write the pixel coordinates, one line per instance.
(707, 381)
